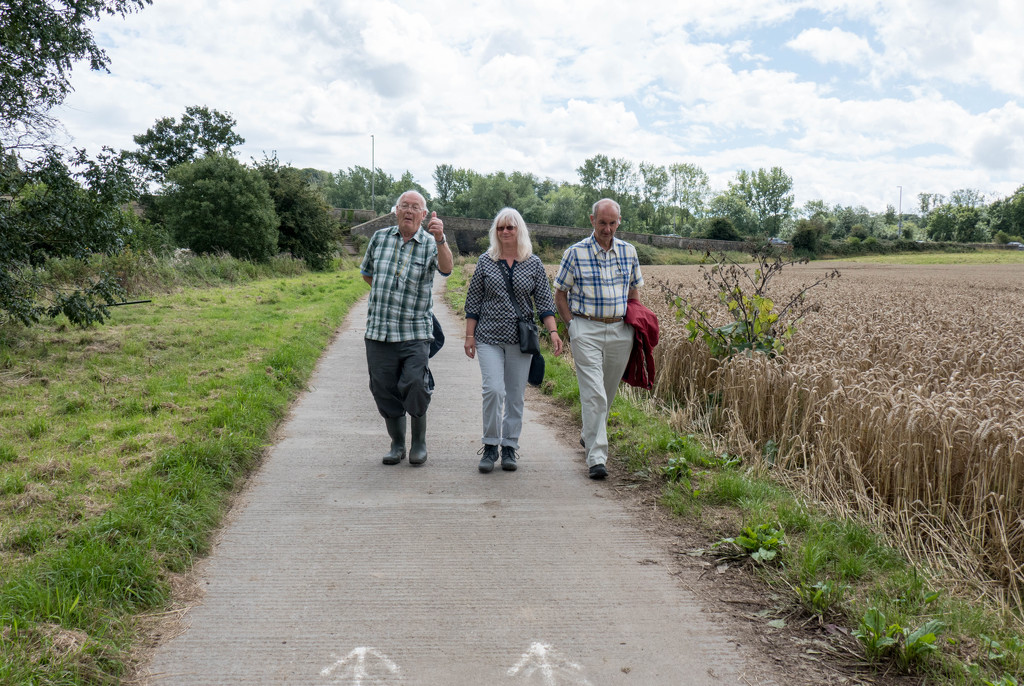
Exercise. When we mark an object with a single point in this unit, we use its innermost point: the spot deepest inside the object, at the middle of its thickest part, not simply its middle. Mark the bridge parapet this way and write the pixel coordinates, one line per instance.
(466, 234)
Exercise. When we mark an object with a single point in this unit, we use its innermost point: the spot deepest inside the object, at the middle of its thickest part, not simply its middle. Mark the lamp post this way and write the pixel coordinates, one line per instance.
(373, 173)
(899, 216)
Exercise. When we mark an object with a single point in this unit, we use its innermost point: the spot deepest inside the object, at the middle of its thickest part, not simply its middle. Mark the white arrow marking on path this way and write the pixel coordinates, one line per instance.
(542, 658)
(356, 668)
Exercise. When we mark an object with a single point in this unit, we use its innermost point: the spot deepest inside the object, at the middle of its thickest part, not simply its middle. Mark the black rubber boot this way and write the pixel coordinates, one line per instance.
(396, 429)
(418, 448)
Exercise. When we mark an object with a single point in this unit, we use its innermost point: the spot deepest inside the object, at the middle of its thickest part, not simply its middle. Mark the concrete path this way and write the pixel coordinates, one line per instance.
(335, 569)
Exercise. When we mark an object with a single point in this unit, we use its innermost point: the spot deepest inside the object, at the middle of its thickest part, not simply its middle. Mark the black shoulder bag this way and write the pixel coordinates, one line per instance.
(529, 340)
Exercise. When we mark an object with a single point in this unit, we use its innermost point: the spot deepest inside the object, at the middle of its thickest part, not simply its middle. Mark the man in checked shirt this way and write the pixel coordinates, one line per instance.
(595, 280)
(399, 265)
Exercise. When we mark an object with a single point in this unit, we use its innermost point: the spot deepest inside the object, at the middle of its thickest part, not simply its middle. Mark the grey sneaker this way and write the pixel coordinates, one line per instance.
(490, 456)
(508, 458)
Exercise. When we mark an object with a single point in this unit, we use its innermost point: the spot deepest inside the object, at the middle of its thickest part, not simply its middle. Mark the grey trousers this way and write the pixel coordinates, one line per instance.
(504, 370)
(399, 379)
(601, 353)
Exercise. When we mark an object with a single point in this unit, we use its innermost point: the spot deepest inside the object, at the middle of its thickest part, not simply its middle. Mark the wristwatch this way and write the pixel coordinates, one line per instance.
(444, 239)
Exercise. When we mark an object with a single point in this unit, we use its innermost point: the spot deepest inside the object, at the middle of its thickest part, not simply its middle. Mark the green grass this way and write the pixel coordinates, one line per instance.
(977, 257)
(119, 446)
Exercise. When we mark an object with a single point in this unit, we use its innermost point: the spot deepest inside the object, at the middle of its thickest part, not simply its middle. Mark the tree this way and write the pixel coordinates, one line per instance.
(949, 222)
(39, 42)
(606, 177)
(489, 194)
(217, 204)
(304, 220)
(407, 183)
(845, 219)
(942, 223)
(732, 206)
(690, 190)
(357, 188)
(816, 208)
(48, 211)
(969, 228)
(528, 200)
(169, 143)
(653, 193)
(564, 205)
(1007, 214)
(453, 185)
(928, 202)
(967, 197)
(767, 193)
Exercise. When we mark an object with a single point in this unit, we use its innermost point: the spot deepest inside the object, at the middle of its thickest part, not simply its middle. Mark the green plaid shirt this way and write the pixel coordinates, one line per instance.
(401, 303)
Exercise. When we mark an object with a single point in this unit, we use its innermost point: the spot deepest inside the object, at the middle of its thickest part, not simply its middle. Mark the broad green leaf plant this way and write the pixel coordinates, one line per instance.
(760, 543)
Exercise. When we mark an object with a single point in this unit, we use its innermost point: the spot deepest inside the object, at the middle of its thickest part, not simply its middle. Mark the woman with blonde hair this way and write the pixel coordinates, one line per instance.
(508, 269)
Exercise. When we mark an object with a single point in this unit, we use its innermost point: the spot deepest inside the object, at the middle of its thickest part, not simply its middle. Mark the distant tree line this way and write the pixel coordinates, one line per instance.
(678, 200)
(193, 192)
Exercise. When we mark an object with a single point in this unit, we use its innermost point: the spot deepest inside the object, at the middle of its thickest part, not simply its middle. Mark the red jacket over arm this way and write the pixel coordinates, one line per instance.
(640, 370)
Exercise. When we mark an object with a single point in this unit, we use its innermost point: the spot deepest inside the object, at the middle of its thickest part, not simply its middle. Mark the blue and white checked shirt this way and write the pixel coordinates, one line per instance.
(597, 280)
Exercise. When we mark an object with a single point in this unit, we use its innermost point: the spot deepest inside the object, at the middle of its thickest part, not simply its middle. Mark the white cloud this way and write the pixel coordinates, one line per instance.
(834, 45)
(960, 41)
(538, 87)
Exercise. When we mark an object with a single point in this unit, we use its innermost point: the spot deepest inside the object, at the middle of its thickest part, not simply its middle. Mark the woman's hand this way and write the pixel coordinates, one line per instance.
(556, 343)
(470, 347)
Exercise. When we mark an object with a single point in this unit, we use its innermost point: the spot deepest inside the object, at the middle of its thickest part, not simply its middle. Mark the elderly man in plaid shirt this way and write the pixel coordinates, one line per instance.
(399, 265)
(596, 279)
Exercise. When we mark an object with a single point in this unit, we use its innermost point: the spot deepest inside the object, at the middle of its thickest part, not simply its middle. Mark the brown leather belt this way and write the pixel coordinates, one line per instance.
(603, 320)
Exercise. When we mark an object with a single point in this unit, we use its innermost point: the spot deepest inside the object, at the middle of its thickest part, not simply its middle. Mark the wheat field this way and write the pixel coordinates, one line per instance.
(900, 399)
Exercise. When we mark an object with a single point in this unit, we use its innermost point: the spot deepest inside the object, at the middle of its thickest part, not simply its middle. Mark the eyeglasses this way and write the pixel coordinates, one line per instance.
(410, 206)
(510, 227)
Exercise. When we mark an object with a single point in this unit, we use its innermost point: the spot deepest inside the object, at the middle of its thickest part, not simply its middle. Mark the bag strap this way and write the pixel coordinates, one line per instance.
(507, 272)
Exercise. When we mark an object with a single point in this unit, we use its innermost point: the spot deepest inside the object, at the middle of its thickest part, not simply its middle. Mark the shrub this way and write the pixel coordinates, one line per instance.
(145, 236)
(808, 235)
(305, 224)
(721, 229)
(218, 205)
(645, 253)
(859, 231)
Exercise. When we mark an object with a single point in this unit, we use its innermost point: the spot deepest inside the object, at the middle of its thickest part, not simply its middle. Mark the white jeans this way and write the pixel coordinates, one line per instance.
(601, 353)
(504, 370)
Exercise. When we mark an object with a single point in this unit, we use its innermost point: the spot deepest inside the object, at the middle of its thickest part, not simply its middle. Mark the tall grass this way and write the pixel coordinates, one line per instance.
(147, 273)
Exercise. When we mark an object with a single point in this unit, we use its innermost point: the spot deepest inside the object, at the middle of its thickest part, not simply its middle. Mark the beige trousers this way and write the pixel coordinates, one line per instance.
(600, 353)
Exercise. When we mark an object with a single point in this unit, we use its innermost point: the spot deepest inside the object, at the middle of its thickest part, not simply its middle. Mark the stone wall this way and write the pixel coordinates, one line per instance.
(347, 216)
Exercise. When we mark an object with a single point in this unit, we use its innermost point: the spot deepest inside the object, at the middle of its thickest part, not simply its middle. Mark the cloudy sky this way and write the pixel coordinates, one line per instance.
(853, 98)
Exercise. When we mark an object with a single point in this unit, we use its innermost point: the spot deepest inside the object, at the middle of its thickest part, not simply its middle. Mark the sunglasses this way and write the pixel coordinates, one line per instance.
(505, 228)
